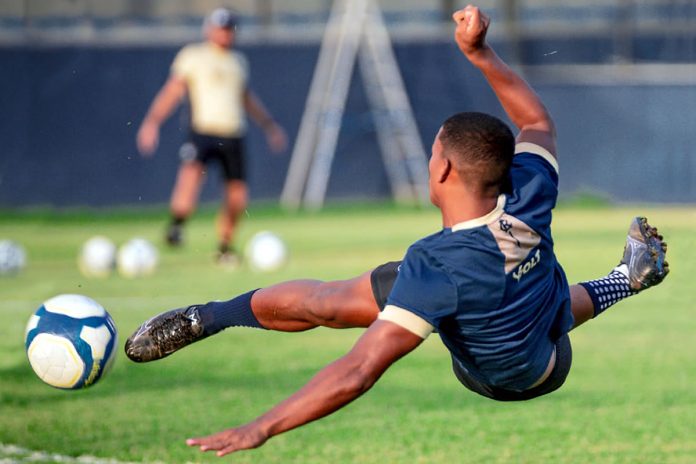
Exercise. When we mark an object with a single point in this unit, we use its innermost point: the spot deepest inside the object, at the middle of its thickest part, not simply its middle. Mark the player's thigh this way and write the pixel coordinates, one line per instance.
(229, 153)
(355, 302)
(344, 303)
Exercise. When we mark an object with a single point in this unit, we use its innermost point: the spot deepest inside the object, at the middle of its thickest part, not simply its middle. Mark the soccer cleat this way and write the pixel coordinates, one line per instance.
(164, 334)
(644, 255)
(228, 260)
(174, 235)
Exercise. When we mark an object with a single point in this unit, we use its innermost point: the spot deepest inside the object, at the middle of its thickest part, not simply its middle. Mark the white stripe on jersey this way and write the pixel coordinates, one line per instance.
(528, 147)
(407, 320)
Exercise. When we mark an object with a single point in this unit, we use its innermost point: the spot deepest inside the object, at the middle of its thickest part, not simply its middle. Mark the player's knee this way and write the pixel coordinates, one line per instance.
(320, 303)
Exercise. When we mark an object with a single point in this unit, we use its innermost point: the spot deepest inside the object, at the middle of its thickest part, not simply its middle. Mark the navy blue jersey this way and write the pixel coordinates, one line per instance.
(491, 286)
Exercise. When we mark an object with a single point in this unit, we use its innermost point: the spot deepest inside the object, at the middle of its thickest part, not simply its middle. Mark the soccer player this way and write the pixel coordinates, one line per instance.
(215, 79)
(488, 282)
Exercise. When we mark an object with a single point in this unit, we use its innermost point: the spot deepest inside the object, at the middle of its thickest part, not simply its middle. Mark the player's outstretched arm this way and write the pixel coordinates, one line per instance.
(332, 388)
(162, 106)
(521, 103)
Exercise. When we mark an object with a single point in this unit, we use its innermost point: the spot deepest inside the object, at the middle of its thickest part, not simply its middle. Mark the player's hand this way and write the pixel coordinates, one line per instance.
(472, 26)
(230, 440)
(276, 138)
(148, 138)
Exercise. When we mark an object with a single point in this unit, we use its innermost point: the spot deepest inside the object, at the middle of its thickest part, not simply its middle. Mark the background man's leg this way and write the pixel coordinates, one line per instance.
(184, 198)
(233, 206)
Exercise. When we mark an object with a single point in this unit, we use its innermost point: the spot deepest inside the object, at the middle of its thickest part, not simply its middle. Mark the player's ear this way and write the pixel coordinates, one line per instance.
(444, 170)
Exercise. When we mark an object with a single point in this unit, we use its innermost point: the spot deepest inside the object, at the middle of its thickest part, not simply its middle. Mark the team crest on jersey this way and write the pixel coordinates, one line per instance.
(506, 227)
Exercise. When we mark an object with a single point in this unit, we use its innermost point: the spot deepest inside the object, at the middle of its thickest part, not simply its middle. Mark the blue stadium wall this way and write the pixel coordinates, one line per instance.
(70, 115)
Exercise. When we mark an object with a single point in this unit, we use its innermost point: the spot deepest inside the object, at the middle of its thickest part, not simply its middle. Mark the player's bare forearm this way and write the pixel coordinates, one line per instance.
(166, 100)
(521, 103)
(332, 388)
(275, 135)
(256, 110)
(162, 106)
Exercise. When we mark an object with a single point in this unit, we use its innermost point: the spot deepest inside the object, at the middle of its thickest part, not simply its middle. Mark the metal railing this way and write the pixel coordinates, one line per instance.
(147, 22)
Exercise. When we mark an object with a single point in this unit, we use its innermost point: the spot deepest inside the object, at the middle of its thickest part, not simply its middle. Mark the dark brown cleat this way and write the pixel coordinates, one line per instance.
(164, 334)
(644, 255)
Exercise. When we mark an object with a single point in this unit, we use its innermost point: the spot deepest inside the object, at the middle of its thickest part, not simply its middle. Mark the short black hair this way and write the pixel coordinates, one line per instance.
(480, 147)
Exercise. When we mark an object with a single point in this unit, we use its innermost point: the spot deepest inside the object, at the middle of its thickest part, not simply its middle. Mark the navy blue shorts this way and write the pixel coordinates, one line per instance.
(227, 152)
(564, 358)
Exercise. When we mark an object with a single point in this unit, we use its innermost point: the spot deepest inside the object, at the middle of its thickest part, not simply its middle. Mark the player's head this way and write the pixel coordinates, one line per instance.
(479, 148)
(220, 26)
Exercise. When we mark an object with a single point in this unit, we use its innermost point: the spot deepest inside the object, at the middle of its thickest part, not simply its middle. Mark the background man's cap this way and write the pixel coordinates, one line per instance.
(222, 17)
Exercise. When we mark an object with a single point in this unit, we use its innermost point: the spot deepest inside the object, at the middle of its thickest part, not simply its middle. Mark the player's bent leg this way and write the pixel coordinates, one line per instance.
(289, 306)
(581, 305)
(642, 266)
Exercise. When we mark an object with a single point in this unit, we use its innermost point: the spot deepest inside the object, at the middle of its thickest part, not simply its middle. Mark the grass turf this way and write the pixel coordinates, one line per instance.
(629, 397)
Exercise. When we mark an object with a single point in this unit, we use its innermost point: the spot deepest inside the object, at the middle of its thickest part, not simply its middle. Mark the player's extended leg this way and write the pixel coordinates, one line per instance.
(234, 203)
(289, 306)
(305, 304)
(184, 198)
(643, 266)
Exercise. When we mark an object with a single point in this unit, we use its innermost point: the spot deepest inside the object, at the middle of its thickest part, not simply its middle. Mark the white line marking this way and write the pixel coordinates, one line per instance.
(13, 454)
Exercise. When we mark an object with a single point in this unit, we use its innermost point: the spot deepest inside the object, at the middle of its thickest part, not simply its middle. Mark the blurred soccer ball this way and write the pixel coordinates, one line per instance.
(266, 252)
(12, 257)
(137, 258)
(71, 341)
(97, 257)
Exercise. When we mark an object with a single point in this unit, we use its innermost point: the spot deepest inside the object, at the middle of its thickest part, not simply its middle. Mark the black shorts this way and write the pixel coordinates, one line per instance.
(228, 152)
(382, 279)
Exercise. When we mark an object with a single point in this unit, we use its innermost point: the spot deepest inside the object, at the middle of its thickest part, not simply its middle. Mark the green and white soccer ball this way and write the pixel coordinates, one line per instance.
(71, 341)
(97, 257)
(13, 258)
(266, 252)
(137, 258)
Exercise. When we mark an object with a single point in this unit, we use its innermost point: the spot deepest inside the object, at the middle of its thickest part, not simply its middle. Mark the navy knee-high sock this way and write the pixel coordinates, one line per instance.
(609, 290)
(219, 315)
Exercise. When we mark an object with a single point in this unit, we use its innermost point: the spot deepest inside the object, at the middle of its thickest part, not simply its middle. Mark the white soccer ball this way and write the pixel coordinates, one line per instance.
(137, 258)
(266, 252)
(71, 341)
(97, 257)
(12, 257)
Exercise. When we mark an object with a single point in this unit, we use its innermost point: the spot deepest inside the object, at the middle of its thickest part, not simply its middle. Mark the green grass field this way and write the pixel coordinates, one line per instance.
(630, 397)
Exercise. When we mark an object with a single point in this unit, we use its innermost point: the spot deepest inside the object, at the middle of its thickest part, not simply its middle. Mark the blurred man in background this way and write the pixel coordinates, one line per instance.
(215, 79)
